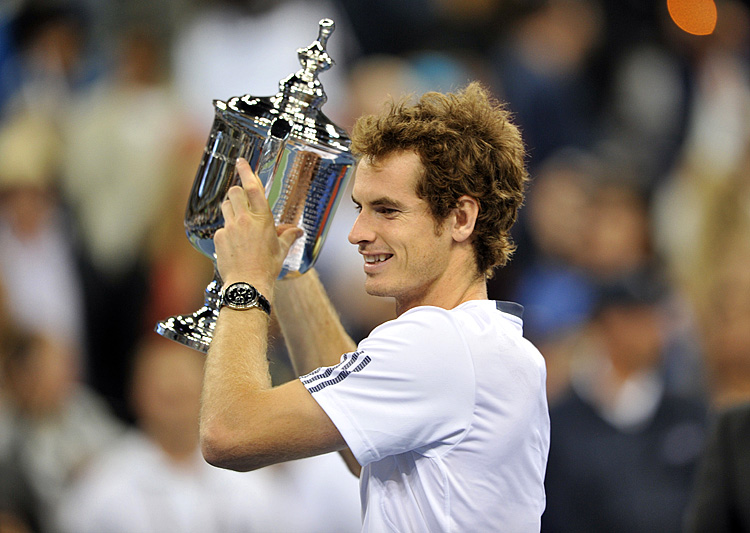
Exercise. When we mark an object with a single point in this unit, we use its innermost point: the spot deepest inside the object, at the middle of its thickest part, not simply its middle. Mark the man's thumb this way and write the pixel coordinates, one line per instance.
(288, 236)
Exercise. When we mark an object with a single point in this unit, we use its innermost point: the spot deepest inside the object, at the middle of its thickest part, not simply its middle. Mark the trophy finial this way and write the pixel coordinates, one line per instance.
(326, 29)
(315, 58)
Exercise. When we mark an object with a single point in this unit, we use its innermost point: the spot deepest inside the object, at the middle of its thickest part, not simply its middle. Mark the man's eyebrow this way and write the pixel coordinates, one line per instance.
(382, 201)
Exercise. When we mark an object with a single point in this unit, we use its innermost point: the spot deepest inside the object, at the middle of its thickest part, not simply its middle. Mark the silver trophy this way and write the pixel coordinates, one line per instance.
(303, 159)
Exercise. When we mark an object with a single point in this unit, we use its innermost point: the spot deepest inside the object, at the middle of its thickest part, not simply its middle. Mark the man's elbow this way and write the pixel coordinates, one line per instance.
(223, 448)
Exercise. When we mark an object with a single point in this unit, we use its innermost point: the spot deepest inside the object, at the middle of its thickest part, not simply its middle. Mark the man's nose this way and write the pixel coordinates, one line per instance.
(359, 232)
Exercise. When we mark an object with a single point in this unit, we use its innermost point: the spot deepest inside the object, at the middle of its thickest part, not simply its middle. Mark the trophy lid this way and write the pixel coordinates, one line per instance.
(298, 101)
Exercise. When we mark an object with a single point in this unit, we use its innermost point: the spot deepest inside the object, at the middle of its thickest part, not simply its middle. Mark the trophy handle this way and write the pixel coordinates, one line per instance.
(195, 330)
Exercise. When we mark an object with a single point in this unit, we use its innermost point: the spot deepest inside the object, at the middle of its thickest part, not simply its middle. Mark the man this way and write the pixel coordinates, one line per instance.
(620, 419)
(444, 407)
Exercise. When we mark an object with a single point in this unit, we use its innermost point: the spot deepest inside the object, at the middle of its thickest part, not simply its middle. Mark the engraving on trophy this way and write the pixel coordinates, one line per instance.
(292, 199)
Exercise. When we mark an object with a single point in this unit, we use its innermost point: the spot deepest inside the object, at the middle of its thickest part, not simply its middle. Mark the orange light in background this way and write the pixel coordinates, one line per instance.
(693, 16)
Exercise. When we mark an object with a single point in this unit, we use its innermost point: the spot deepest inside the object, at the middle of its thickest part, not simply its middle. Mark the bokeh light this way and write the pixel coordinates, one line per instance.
(697, 17)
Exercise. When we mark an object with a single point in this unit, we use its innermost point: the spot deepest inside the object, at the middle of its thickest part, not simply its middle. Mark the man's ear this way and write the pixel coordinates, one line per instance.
(465, 213)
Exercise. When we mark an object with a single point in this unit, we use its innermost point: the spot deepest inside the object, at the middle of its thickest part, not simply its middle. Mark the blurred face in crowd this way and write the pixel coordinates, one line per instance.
(166, 389)
(633, 335)
(618, 238)
(42, 380)
(26, 210)
(558, 215)
(57, 47)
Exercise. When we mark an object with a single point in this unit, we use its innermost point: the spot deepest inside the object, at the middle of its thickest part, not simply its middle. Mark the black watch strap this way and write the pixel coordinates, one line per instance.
(241, 296)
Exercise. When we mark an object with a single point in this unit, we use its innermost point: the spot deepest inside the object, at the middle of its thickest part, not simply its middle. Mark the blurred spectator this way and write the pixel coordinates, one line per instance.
(703, 212)
(122, 144)
(646, 111)
(553, 284)
(645, 82)
(551, 279)
(178, 272)
(722, 297)
(314, 495)
(37, 264)
(50, 426)
(588, 224)
(721, 497)
(374, 79)
(391, 26)
(623, 447)
(232, 48)
(719, 125)
(154, 478)
(618, 243)
(50, 60)
(619, 236)
(403, 28)
(716, 151)
(542, 70)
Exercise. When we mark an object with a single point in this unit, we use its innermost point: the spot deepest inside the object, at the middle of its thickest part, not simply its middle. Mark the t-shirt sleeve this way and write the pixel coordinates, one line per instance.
(409, 386)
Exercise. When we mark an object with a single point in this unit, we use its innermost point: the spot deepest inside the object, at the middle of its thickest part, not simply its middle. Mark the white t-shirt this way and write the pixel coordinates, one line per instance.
(446, 410)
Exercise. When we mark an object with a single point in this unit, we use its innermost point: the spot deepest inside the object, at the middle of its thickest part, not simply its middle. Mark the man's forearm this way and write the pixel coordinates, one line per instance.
(236, 370)
(311, 327)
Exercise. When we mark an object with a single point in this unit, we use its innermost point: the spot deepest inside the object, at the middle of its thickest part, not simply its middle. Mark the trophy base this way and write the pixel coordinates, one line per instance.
(194, 331)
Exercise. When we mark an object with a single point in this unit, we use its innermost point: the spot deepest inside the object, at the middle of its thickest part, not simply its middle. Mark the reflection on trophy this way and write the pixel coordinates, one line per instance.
(302, 158)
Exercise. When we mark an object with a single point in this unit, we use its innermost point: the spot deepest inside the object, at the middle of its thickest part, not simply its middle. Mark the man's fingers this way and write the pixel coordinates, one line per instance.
(247, 176)
(256, 195)
(227, 210)
(287, 235)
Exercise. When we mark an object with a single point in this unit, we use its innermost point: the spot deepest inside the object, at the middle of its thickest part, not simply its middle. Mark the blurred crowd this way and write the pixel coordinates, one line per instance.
(632, 260)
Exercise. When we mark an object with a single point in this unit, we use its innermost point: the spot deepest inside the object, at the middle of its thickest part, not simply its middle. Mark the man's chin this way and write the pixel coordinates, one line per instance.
(375, 289)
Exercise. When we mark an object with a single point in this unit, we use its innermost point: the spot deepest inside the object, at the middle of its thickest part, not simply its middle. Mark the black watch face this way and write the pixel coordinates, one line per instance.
(241, 295)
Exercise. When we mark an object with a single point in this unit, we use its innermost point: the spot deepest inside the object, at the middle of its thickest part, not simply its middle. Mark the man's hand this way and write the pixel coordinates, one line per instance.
(250, 247)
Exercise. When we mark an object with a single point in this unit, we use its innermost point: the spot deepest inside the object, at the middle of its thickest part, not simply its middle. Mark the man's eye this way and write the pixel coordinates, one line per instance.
(386, 210)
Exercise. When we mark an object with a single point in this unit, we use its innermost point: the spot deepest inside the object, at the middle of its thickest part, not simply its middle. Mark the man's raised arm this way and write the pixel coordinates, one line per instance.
(312, 331)
(245, 423)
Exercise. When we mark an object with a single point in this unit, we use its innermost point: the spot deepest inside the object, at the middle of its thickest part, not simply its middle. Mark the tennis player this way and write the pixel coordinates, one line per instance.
(442, 412)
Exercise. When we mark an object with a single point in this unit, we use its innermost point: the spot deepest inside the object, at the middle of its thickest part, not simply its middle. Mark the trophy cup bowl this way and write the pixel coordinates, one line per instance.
(302, 158)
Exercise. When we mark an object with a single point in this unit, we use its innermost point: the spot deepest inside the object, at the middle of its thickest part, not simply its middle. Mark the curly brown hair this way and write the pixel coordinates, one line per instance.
(468, 146)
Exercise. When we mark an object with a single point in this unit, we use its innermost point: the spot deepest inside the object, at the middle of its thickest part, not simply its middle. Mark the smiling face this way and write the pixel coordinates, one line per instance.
(407, 255)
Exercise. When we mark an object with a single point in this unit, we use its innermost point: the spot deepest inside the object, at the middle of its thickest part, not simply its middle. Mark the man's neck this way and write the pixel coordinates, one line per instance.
(452, 295)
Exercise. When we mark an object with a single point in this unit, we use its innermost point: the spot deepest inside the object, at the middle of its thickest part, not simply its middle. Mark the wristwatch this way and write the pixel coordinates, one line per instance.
(241, 295)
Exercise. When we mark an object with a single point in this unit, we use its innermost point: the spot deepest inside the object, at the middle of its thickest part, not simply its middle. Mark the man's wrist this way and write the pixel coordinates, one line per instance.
(241, 295)
(265, 286)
